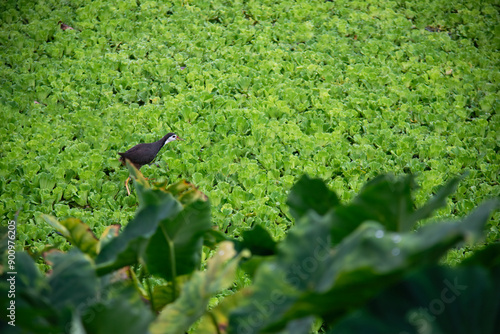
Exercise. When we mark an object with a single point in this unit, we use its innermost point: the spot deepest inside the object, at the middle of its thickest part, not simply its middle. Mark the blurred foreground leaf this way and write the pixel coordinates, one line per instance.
(310, 275)
(175, 247)
(458, 300)
(76, 232)
(192, 303)
(129, 246)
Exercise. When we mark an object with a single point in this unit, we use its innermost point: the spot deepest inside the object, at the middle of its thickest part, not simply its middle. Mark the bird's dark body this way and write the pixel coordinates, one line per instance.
(143, 154)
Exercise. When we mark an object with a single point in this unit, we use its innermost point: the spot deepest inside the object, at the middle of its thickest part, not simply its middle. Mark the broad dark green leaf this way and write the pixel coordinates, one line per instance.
(366, 262)
(213, 237)
(280, 282)
(309, 276)
(310, 194)
(177, 317)
(28, 274)
(458, 300)
(73, 280)
(258, 241)
(175, 247)
(109, 234)
(122, 312)
(251, 265)
(383, 199)
(129, 246)
(389, 202)
(298, 326)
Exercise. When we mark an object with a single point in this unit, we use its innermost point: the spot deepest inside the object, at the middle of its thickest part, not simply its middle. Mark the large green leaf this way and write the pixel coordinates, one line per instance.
(310, 194)
(213, 237)
(167, 232)
(77, 232)
(72, 299)
(129, 246)
(122, 312)
(261, 245)
(299, 326)
(458, 300)
(369, 260)
(309, 276)
(388, 201)
(280, 282)
(177, 317)
(258, 241)
(107, 235)
(383, 199)
(175, 247)
(28, 274)
(73, 280)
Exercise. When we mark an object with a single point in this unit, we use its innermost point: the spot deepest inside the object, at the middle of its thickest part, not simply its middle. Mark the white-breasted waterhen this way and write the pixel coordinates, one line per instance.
(143, 154)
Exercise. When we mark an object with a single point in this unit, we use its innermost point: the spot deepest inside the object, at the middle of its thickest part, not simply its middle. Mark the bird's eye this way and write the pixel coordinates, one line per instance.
(174, 136)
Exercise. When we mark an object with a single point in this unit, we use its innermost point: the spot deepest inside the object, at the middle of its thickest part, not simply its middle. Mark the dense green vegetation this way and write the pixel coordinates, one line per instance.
(342, 268)
(262, 91)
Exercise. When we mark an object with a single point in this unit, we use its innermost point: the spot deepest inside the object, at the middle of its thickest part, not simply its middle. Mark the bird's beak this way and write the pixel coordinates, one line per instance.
(179, 138)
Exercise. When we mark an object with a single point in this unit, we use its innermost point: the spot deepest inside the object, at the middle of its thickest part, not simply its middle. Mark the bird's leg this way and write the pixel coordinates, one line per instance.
(126, 186)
